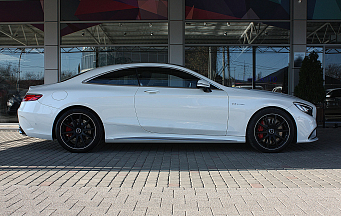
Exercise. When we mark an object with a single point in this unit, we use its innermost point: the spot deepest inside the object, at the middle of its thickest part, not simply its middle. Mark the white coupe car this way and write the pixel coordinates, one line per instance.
(150, 102)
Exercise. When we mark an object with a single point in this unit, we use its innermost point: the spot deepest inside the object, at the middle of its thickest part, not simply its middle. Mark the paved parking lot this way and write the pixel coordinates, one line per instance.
(40, 177)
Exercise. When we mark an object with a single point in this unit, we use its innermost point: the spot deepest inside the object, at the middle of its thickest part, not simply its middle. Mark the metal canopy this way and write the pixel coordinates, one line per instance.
(115, 33)
(323, 33)
(21, 35)
(237, 33)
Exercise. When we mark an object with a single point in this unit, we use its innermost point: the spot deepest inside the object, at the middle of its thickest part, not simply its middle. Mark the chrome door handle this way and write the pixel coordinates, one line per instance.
(151, 91)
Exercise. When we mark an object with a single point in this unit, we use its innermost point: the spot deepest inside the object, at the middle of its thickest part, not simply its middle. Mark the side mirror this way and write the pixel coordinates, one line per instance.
(204, 85)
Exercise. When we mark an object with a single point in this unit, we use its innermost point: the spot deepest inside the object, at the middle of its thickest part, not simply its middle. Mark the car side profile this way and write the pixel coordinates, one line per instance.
(150, 102)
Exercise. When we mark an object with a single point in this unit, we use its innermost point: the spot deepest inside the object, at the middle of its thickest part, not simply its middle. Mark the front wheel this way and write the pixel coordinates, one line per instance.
(270, 130)
(78, 130)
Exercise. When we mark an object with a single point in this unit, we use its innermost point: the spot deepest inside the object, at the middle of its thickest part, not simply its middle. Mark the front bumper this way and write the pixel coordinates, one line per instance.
(306, 125)
(313, 136)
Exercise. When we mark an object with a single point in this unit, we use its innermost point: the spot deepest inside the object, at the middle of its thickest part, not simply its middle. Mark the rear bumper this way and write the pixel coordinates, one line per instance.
(36, 119)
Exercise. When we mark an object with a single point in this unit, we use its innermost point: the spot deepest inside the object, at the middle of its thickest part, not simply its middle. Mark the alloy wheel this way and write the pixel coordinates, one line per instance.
(272, 131)
(77, 131)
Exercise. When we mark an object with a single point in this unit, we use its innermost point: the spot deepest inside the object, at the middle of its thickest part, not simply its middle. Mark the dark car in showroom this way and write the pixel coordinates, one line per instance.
(333, 104)
(14, 102)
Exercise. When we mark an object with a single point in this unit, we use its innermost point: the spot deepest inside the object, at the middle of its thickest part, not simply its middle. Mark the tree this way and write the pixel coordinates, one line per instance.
(8, 73)
(310, 86)
(197, 60)
(66, 74)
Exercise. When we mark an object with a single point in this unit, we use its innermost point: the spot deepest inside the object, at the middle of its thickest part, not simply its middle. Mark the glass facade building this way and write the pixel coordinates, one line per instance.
(238, 43)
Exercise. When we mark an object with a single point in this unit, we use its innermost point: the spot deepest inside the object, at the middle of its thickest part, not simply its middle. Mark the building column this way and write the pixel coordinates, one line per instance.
(51, 41)
(254, 67)
(176, 32)
(298, 41)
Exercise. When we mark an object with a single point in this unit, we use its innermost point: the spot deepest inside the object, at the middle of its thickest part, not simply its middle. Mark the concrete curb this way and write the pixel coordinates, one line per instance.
(9, 126)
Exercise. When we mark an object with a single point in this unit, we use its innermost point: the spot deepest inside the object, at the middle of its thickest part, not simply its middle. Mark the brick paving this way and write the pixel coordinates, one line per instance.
(38, 177)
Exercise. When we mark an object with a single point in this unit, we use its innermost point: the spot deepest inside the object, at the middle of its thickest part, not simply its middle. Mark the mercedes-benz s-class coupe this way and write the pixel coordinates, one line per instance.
(150, 102)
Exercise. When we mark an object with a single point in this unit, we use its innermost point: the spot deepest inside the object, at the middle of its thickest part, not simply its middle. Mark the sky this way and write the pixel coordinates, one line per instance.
(29, 62)
(266, 63)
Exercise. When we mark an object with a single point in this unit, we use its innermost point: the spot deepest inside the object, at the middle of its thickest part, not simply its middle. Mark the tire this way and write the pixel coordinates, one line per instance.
(79, 130)
(270, 130)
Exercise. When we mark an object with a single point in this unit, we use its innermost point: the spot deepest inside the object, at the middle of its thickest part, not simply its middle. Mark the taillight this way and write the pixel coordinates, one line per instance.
(32, 97)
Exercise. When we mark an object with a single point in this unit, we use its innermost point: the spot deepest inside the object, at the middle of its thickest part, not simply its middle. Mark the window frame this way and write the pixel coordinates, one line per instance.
(168, 68)
(86, 81)
(337, 93)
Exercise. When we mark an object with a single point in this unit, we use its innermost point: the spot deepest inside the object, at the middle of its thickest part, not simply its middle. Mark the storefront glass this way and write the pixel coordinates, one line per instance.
(333, 84)
(80, 59)
(234, 65)
(19, 69)
(272, 65)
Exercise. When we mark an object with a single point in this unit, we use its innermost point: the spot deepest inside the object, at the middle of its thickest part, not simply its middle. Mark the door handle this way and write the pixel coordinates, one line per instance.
(151, 91)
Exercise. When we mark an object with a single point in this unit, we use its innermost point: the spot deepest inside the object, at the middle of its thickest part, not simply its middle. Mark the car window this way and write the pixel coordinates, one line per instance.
(166, 77)
(121, 77)
(337, 93)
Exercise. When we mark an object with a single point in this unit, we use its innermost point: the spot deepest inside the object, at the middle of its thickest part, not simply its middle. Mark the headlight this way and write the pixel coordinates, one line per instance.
(304, 108)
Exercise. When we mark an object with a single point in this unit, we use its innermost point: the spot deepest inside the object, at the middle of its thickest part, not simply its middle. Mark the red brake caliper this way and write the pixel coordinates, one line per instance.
(67, 129)
(259, 129)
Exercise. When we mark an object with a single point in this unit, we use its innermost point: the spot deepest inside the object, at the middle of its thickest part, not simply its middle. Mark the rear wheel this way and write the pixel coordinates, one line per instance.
(79, 130)
(270, 130)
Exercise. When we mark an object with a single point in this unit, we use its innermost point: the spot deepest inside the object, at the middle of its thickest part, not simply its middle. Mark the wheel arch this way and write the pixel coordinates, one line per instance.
(74, 107)
(279, 108)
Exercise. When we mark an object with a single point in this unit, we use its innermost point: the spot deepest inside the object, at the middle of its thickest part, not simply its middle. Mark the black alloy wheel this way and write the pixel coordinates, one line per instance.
(270, 130)
(79, 130)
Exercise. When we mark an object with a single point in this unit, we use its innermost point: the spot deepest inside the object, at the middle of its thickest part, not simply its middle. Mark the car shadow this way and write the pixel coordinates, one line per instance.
(30, 154)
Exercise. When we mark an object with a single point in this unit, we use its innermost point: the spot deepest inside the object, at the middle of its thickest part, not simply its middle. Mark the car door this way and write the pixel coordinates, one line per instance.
(113, 99)
(168, 102)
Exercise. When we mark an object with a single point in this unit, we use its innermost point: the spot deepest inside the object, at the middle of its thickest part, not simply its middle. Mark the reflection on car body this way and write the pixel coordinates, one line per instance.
(250, 87)
(277, 89)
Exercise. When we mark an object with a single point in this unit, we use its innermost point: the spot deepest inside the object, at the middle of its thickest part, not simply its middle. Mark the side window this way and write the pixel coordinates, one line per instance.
(121, 77)
(337, 93)
(166, 77)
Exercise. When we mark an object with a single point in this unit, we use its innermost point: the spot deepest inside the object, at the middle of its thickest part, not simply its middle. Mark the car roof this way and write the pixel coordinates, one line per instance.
(102, 70)
(329, 90)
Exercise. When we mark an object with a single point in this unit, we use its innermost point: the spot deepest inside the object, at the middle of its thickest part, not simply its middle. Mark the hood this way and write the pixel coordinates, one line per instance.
(253, 93)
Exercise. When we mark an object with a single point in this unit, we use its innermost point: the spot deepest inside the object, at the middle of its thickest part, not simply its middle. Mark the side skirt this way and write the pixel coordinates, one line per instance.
(165, 139)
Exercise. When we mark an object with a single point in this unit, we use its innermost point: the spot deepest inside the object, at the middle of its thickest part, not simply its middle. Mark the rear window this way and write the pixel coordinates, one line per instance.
(121, 77)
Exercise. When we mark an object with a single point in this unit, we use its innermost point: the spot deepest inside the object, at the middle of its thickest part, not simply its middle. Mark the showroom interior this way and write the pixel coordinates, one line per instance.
(237, 43)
